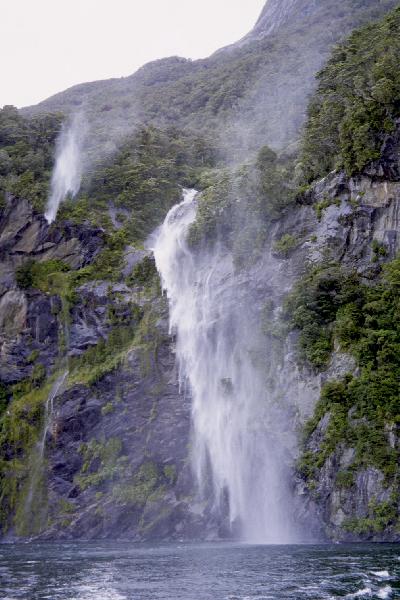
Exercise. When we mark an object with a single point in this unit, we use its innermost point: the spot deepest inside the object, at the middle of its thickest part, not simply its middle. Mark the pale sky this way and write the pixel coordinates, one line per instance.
(47, 46)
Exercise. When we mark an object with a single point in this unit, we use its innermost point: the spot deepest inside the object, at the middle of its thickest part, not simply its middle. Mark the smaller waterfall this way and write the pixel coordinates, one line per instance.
(238, 422)
(48, 415)
(67, 174)
(35, 509)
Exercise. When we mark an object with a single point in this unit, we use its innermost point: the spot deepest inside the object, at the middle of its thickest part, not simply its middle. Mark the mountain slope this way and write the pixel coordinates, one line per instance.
(245, 96)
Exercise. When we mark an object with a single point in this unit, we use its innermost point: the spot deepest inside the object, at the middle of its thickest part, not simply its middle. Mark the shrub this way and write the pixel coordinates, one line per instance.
(286, 244)
(38, 274)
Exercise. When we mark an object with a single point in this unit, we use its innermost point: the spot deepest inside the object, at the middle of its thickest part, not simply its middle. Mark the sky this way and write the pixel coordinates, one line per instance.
(47, 46)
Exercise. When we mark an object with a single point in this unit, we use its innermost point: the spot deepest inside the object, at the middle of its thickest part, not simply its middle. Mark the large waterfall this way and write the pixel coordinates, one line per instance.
(238, 426)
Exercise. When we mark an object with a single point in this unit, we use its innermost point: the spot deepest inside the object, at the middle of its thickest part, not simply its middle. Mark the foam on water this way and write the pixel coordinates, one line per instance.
(363, 593)
(385, 592)
(381, 574)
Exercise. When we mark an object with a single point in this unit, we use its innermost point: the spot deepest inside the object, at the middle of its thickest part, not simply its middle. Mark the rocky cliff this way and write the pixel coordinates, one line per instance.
(116, 458)
(348, 472)
(114, 461)
(95, 431)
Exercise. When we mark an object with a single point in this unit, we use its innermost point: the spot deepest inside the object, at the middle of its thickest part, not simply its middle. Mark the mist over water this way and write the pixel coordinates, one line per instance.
(238, 424)
(68, 169)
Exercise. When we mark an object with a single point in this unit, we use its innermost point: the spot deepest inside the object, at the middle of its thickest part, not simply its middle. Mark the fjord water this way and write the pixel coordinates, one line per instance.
(237, 452)
(123, 571)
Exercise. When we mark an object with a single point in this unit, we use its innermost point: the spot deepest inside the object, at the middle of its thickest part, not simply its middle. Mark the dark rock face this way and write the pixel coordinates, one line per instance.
(116, 453)
(24, 233)
(336, 505)
(143, 410)
(28, 322)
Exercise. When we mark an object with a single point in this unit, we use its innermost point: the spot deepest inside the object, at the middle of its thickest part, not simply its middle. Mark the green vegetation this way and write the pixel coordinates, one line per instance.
(138, 332)
(313, 308)
(108, 263)
(345, 479)
(354, 109)
(145, 485)
(102, 462)
(379, 251)
(107, 409)
(89, 367)
(364, 320)
(129, 192)
(170, 473)
(26, 154)
(52, 277)
(323, 204)
(140, 183)
(357, 101)
(20, 428)
(286, 244)
(381, 517)
(215, 206)
(226, 95)
(238, 205)
(4, 397)
(144, 272)
(39, 274)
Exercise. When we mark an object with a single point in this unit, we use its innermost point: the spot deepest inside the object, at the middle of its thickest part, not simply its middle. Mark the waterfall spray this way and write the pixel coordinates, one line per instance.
(238, 424)
(67, 174)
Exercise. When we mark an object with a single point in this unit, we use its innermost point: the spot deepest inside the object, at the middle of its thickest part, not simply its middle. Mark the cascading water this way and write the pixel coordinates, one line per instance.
(48, 416)
(67, 174)
(34, 516)
(238, 424)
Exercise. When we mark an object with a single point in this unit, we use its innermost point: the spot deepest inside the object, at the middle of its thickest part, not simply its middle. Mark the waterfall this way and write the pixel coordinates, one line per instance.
(48, 414)
(67, 173)
(238, 424)
(35, 507)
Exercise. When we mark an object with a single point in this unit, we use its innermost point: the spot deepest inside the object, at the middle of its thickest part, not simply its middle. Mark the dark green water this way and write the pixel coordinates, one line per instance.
(123, 571)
